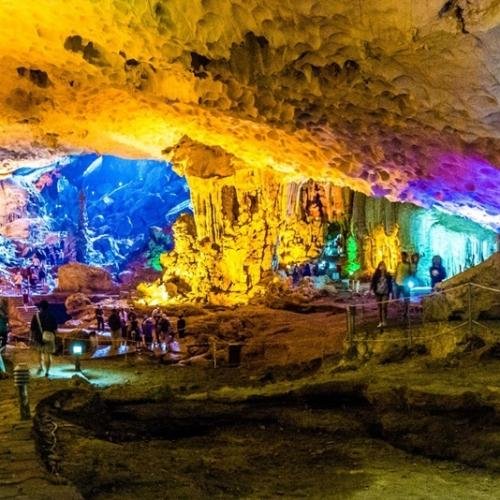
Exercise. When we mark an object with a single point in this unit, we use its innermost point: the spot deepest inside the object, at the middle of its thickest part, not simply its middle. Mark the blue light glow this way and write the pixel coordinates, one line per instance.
(102, 210)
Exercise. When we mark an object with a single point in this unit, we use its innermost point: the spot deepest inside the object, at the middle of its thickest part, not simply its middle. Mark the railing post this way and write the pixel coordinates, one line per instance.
(214, 353)
(410, 335)
(351, 314)
(21, 380)
(469, 293)
(348, 326)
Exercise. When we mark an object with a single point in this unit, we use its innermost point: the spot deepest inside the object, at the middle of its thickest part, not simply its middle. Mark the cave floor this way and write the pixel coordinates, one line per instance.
(430, 430)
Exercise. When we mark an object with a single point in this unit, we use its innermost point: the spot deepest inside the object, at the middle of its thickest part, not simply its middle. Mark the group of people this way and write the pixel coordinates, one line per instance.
(38, 270)
(303, 271)
(151, 331)
(31, 277)
(383, 285)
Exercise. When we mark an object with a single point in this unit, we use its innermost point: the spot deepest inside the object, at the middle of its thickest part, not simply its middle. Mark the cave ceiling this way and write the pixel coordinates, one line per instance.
(396, 98)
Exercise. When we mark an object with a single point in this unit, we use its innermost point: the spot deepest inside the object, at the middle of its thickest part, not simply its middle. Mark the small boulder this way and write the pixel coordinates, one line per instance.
(77, 303)
(394, 354)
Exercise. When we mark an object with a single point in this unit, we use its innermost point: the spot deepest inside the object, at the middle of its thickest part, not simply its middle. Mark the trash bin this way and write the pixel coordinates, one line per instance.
(234, 354)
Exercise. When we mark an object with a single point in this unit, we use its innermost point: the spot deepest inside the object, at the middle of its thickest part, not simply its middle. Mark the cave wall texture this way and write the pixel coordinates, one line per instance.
(251, 99)
(390, 97)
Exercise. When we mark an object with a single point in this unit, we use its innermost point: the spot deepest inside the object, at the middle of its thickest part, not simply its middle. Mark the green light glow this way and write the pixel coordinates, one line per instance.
(353, 264)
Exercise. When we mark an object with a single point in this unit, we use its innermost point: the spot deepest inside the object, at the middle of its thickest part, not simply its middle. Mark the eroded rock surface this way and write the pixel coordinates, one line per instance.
(390, 98)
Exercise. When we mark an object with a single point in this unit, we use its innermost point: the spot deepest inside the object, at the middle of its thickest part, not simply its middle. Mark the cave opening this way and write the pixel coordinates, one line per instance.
(98, 210)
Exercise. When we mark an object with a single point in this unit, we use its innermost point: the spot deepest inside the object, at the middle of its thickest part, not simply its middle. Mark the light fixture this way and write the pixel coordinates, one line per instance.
(77, 351)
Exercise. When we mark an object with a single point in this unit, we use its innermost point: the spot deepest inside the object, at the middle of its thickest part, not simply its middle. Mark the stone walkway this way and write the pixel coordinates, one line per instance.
(22, 473)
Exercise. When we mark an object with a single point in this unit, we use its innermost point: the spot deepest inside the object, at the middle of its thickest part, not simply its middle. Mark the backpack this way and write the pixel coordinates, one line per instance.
(382, 287)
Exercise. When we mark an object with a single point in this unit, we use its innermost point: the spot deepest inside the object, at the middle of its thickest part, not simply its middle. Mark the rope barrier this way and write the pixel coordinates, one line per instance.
(477, 285)
(425, 337)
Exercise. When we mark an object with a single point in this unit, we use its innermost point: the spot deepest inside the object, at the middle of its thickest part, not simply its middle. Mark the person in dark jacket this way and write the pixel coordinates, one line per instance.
(181, 326)
(115, 325)
(381, 285)
(437, 271)
(99, 317)
(164, 330)
(148, 326)
(134, 329)
(43, 331)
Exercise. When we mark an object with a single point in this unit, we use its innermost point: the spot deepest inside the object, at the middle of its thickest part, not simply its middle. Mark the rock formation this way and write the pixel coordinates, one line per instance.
(245, 224)
(454, 301)
(76, 277)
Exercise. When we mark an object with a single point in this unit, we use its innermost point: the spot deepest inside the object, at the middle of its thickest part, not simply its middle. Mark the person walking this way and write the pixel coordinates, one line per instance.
(437, 271)
(147, 332)
(123, 315)
(43, 331)
(134, 330)
(99, 317)
(115, 325)
(18, 281)
(381, 285)
(181, 326)
(4, 332)
(165, 329)
(403, 274)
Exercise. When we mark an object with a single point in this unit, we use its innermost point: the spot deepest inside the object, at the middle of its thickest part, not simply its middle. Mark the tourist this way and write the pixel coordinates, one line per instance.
(415, 257)
(403, 274)
(26, 298)
(43, 331)
(156, 314)
(306, 270)
(437, 271)
(315, 269)
(134, 330)
(115, 326)
(381, 285)
(52, 257)
(93, 342)
(32, 276)
(42, 275)
(99, 317)
(181, 326)
(4, 332)
(123, 315)
(295, 275)
(147, 331)
(173, 345)
(164, 329)
(18, 281)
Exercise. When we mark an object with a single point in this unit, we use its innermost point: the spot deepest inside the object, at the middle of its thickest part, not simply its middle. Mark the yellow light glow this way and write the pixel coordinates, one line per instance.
(380, 246)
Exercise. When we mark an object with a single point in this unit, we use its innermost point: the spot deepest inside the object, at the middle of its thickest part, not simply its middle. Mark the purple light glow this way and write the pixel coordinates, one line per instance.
(467, 186)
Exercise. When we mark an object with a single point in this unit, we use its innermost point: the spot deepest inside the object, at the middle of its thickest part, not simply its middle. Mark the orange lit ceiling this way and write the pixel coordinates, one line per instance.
(391, 97)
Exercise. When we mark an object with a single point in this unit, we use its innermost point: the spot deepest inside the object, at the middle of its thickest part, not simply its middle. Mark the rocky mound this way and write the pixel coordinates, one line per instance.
(454, 301)
(76, 277)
